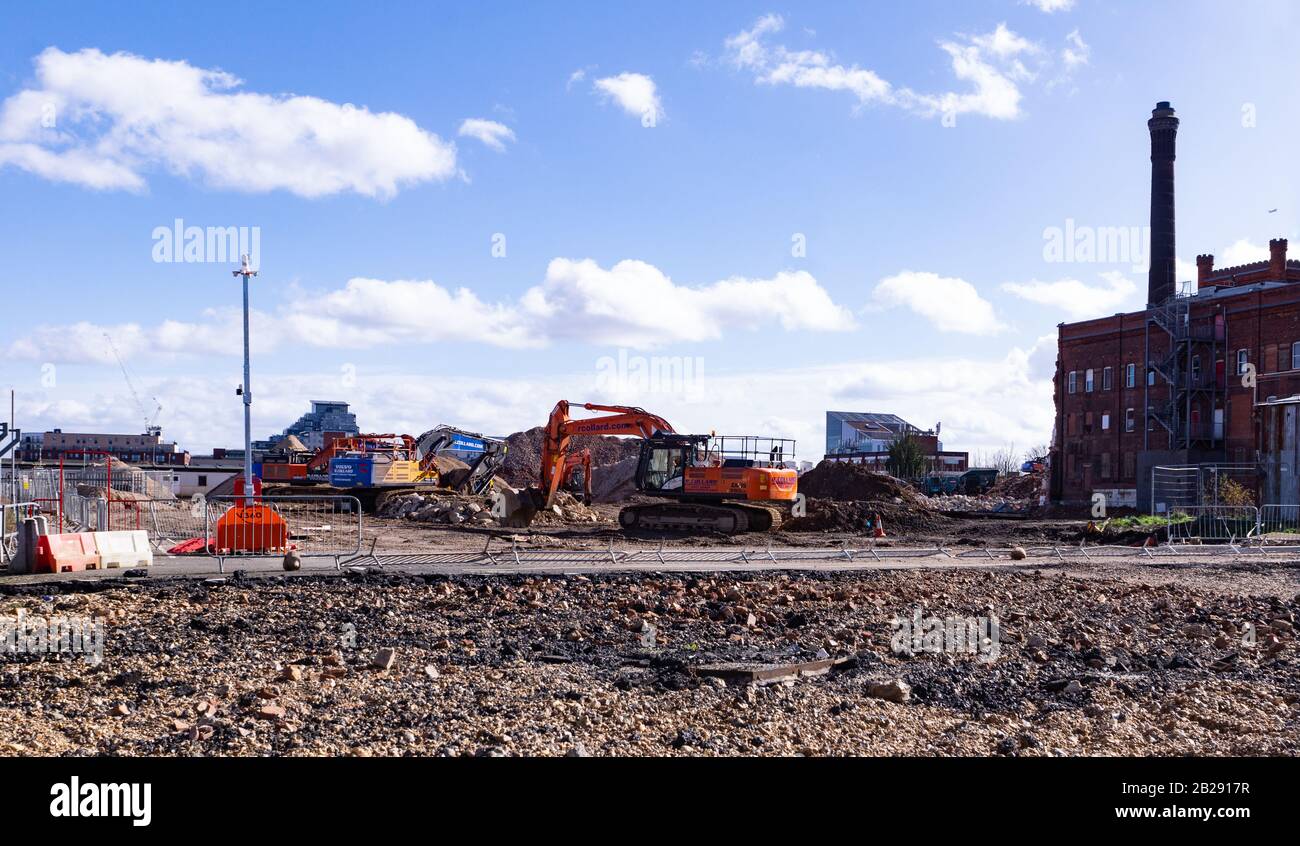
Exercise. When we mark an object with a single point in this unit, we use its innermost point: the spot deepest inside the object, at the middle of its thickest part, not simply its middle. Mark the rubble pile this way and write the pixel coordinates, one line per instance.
(1024, 486)
(439, 508)
(566, 509)
(524, 453)
(846, 482)
(982, 503)
(628, 664)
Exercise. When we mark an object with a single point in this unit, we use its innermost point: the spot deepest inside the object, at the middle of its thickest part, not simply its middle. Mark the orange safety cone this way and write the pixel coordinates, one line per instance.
(878, 528)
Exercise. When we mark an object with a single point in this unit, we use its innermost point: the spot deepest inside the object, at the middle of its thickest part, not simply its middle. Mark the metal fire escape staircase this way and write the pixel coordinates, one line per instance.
(1188, 388)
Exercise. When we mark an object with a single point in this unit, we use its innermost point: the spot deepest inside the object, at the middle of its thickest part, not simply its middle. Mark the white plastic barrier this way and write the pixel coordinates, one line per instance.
(124, 549)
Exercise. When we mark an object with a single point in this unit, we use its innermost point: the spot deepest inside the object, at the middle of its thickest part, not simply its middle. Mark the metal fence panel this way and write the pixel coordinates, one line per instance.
(1215, 523)
(1279, 524)
(313, 527)
(1181, 486)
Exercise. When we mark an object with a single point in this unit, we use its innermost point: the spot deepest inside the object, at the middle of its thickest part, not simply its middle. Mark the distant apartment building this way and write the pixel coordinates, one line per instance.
(88, 446)
(865, 438)
(29, 446)
(327, 419)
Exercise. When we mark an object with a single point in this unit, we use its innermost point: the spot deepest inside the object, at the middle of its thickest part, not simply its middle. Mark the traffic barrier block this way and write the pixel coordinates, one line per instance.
(124, 549)
(70, 552)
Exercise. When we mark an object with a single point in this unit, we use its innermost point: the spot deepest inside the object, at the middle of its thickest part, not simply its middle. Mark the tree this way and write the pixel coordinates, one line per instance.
(1002, 460)
(906, 458)
(1038, 453)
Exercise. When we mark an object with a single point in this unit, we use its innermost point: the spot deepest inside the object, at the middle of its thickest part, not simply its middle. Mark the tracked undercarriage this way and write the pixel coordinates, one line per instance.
(728, 518)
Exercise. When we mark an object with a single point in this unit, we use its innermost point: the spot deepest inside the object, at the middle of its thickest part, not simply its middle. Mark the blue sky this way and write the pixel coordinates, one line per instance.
(651, 171)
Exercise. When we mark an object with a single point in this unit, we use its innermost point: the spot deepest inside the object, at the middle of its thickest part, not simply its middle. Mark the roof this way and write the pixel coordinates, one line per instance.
(889, 421)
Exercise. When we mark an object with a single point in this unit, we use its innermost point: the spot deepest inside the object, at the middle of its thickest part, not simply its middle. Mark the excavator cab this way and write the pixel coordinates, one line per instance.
(663, 462)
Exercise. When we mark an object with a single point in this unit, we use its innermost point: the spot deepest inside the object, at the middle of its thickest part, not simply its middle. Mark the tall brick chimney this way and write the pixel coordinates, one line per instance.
(1204, 268)
(1161, 281)
(1277, 258)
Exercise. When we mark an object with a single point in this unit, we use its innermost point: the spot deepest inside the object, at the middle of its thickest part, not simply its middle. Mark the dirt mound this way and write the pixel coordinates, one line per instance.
(524, 453)
(614, 482)
(827, 515)
(126, 480)
(451, 471)
(840, 480)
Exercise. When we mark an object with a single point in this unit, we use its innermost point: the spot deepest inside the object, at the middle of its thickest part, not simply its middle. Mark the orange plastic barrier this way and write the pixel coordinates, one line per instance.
(66, 553)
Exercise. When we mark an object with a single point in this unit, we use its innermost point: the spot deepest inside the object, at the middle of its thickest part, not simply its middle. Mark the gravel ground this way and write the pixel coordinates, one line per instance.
(611, 665)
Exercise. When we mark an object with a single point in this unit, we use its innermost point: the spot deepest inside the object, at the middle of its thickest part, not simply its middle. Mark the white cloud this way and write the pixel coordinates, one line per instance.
(635, 93)
(375, 312)
(635, 304)
(951, 304)
(1241, 251)
(1051, 6)
(631, 304)
(1076, 51)
(117, 117)
(992, 64)
(489, 132)
(574, 78)
(1077, 299)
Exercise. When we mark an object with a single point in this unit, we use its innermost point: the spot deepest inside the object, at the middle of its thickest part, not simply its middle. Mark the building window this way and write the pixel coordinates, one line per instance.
(1242, 360)
(1130, 375)
(1129, 469)
(1087, 423)
(1285, 356)
(1128, 420)
(1072, 382)
(1105, 421)
(1105, 465)
(1106, 378)
(1087, 381)
(1295, 348)
(1196, 371)
(203, 481)
(1151, 375)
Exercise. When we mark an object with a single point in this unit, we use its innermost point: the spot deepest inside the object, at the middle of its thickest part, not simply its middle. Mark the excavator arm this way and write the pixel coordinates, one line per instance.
(560, 429)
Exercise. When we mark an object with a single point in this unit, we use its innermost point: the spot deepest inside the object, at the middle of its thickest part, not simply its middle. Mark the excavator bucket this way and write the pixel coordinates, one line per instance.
(515, 509)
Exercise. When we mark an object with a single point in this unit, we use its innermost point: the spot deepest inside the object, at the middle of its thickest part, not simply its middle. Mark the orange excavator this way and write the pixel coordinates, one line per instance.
(715, 483)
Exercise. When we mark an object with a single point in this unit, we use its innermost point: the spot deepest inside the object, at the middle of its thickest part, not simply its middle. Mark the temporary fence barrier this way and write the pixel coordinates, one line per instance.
(308, 526)
(1214, 523)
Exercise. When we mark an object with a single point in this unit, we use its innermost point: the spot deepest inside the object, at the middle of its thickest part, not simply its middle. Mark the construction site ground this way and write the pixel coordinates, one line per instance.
(1138, 655)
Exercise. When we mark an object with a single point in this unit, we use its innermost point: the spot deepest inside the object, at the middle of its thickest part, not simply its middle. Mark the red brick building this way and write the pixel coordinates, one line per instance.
(1168, 385)
(1178, 383)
